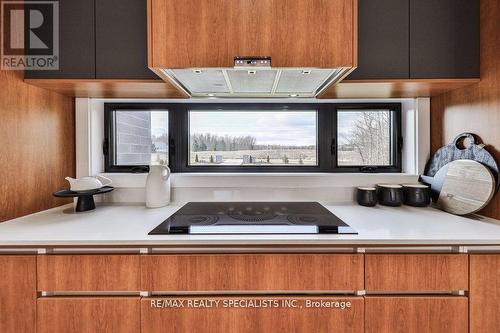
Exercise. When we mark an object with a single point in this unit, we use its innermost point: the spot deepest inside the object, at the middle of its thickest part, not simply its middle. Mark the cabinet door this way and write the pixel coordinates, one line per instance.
(383, 40)
(17, 294)
(444, 39)
(121, 40)
(484, 295)
(252, 272)
(416, 314)
(76, 42)
(294, 33)
(252, 314)
(88, 272)
(88, 314)
(416, 272)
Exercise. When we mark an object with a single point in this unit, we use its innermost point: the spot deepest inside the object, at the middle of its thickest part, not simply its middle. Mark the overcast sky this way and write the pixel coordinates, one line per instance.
(284, 127)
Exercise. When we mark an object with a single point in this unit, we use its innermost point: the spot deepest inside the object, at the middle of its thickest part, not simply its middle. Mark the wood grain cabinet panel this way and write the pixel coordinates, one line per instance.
(416, 272)
(17, 294)
(88, 315)
(484, 294)
(252, 272)
(250, 315)
(210, 33)
(416, 314)
(88, 273)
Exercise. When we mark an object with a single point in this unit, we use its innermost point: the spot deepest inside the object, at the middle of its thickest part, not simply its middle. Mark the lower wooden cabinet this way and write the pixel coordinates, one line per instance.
(484, 296)
(252, 314)
(252, 272)
(416, 314)
(88, 315)
(17, 294)
(416, 272)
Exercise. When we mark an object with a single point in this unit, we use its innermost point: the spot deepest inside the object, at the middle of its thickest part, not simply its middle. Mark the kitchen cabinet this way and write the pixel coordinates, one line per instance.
(254, 272)
(253, 314)
(484, 294)
(417, 39)
(416, 272)
(383, 40)
(88, 314)
(76, 42)
(444, 39)
(300, 33)
(415, 314)
(17, 293)
(103, 39)
(88, 273)
(121, 40)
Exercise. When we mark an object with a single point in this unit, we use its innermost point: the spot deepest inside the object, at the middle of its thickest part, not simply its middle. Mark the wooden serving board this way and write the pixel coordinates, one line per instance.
(462, 187)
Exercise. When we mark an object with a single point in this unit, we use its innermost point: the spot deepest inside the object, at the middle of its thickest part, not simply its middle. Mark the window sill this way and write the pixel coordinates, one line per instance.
(265, 180)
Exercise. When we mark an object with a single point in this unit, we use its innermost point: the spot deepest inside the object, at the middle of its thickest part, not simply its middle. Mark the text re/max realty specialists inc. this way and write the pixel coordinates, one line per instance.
(249, 303)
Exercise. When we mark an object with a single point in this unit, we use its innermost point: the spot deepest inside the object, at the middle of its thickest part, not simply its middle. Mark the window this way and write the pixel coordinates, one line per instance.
(140, 138)
(368, 138)
(253, 137)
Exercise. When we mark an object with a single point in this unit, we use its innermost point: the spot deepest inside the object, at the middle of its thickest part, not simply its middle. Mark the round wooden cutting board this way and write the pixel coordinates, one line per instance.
(467, 187)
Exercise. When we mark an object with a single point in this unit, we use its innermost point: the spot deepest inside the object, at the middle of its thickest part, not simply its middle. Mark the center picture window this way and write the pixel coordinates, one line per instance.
(253, 138)
(232, 137)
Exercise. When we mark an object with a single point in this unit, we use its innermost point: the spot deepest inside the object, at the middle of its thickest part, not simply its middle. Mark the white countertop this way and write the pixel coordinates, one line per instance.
(128, 225)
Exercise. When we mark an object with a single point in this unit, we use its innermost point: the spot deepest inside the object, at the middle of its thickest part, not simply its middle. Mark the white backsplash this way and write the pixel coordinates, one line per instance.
(328, 188)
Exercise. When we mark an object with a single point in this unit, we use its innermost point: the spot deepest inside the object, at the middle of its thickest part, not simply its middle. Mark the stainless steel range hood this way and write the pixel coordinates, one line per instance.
(254, 77)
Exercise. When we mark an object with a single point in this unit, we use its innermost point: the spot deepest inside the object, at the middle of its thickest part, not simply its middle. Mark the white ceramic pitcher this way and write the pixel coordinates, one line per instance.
(158, 186)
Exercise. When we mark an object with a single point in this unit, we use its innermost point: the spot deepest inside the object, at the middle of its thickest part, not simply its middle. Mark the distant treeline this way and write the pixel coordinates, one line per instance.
(210, 142)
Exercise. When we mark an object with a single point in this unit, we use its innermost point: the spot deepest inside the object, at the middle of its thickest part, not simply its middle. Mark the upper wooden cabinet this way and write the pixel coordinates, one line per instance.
(294, 33)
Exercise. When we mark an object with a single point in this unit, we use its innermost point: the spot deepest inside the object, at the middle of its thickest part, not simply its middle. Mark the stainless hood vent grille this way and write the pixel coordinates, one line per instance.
(254, 81)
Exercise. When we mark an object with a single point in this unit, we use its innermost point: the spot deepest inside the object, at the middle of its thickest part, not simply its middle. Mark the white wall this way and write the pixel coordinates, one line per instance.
(253, 186)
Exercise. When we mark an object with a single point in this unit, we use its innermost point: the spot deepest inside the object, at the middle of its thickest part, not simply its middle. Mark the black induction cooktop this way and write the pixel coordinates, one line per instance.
(253, 218)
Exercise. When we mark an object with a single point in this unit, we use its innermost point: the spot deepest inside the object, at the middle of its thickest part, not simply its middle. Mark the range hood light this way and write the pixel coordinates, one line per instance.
(197, 71)
(306, 71)
(294, 95)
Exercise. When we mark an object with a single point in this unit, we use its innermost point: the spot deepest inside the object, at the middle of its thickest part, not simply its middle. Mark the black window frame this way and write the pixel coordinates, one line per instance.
(178, 132)
(396, 138)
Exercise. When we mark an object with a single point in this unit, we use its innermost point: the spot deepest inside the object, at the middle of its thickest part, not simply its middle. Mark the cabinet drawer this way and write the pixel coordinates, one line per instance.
(88, 314)
(252, 314)
(252, 272)
(88, 273)
(416, 272)
(416, 314)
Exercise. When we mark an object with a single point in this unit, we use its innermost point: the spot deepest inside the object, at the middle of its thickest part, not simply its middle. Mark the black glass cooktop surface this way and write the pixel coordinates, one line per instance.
(253, 218)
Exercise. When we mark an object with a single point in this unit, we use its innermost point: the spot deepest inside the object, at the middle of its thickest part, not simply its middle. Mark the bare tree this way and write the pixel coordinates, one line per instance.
(370, 137)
